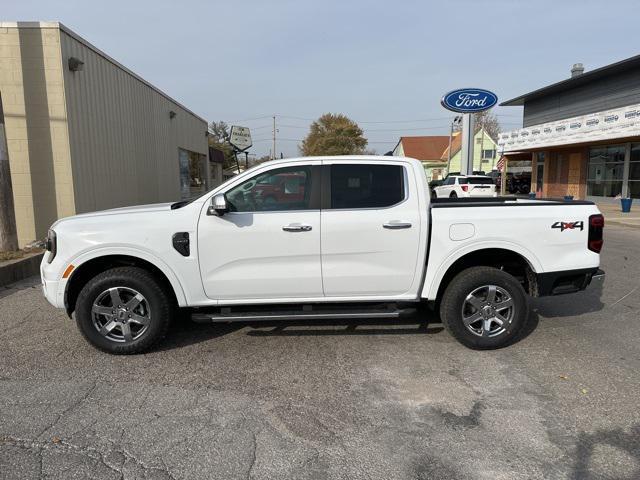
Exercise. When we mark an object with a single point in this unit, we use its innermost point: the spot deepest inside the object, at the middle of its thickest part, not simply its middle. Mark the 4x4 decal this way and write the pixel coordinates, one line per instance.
(568, 225)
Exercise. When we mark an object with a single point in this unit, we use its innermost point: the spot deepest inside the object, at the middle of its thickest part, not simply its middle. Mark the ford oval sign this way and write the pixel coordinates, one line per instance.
(469, 100)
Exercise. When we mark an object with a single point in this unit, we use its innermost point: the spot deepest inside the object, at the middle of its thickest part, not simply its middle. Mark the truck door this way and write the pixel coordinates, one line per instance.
(268, 245)
(370, 228)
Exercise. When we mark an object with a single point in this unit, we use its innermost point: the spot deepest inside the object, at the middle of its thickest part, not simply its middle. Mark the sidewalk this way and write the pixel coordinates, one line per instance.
(613, 214)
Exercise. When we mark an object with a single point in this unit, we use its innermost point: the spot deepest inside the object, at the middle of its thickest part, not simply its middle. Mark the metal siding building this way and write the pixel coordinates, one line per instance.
(95, 138)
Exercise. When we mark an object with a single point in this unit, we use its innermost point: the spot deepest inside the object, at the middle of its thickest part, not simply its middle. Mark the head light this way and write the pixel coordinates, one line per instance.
(51, 245)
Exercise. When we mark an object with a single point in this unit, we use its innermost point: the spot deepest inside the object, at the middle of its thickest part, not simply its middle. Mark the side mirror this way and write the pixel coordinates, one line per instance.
(218, 205)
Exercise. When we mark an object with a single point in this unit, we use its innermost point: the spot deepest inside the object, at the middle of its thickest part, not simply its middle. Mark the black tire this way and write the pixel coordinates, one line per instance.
(156, 300)
(453, 305)
(453, 195)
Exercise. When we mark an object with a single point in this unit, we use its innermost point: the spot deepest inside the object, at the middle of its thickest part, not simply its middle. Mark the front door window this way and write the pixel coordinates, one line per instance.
(280, 189)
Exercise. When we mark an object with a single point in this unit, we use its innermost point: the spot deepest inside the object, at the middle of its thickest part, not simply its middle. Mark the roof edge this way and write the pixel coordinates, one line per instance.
(86, 43)
(519, 101)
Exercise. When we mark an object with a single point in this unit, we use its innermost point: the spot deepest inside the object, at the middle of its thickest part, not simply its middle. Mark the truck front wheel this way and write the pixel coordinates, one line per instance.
(484, 308)
(123, 310)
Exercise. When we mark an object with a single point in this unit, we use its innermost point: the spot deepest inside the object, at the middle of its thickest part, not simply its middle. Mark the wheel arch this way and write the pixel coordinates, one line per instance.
(517, 263)
(99, 263)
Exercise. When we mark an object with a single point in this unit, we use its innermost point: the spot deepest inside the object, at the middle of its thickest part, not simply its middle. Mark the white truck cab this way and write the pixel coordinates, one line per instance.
(319, 237)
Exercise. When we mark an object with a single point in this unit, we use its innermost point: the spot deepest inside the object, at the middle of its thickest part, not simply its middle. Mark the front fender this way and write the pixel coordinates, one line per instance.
(143, 254)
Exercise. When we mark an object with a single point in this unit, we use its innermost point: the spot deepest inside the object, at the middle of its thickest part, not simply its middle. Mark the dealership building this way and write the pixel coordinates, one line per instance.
(581, 135)
(85, 133)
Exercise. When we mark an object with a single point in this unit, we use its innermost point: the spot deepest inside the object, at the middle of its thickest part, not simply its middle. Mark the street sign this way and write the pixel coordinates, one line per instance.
(240, 138)
(469, 100)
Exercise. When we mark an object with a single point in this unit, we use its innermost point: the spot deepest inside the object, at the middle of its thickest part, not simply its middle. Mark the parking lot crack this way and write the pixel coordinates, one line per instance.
(91, 452)
(70, 408)
(254, 447)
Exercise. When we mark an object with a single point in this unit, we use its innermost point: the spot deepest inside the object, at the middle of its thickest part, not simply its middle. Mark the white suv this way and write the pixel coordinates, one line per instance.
(456, 186)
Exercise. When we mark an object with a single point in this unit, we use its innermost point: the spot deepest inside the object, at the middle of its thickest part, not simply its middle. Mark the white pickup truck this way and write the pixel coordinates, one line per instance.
(319, 238)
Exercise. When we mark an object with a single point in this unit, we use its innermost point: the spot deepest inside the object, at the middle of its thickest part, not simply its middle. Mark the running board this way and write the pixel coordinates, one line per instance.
(307, 313)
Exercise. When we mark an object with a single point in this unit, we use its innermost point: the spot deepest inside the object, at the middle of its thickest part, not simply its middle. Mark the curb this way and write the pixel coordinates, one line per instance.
(19, 269)
(620, 223)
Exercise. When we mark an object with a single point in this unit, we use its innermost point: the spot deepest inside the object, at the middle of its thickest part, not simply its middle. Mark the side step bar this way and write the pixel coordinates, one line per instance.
(308, 312)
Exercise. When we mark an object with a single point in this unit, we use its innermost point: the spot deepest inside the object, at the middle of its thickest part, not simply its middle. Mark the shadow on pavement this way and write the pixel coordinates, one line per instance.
(185, 332)
(344, 327)
(628, 443)
(571, 305)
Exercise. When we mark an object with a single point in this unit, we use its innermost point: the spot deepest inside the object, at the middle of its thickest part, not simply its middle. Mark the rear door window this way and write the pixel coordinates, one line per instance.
(480, 180)
(366, 186)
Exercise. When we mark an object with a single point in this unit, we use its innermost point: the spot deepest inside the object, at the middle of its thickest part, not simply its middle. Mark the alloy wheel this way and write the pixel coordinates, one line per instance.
(121, 314)
(487, 311)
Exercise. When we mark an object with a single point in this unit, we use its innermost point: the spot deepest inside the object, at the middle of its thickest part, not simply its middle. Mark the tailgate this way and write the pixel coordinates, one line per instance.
(482, 190)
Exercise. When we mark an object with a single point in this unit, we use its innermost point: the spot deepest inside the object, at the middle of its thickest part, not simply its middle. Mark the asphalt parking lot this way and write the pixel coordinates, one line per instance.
(338, 401)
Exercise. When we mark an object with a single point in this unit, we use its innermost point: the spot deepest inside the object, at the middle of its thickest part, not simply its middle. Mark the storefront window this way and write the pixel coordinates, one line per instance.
(634, 171)
(606, 170)
(193, 177)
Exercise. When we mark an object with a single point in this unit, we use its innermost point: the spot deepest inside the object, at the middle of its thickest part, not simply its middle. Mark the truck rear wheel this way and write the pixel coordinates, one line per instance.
(123, 310)
(484, 308)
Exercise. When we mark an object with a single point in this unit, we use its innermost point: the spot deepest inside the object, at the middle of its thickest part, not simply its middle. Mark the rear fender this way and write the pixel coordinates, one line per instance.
(432, 281)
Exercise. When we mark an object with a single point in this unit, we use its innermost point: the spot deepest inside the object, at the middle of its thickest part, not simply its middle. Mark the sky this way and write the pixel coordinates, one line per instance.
(384, 64)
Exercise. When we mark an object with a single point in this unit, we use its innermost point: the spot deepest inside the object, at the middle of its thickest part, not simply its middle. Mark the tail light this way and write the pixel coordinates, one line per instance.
(596, 227)
(465, 188)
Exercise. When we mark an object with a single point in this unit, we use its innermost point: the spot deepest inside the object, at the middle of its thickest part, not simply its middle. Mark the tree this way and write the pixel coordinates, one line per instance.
(488, 120)
(333, 134)
(219, 138)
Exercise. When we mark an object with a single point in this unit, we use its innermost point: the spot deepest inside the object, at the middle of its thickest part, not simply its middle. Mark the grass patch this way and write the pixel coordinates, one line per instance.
(4, 256)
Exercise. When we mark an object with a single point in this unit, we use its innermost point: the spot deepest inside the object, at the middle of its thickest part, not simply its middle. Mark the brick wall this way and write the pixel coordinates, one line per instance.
(31, 86)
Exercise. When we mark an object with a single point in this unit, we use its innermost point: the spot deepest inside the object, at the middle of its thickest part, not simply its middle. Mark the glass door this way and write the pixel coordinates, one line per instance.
(539, 174)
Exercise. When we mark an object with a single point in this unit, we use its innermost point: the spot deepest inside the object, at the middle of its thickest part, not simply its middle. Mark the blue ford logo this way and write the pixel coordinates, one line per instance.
(469, 100)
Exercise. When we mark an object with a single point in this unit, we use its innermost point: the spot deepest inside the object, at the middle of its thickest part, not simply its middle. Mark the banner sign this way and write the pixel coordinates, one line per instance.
(469, 100)
(607, 125)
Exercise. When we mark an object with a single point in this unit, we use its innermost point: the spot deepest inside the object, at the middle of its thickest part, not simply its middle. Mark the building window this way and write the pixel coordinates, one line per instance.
(606, 171)
(488, 154)
(193, 178)
(634, 171)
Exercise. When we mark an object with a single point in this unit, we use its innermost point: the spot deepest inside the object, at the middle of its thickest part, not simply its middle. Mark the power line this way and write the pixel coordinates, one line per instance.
(249, 119)
(417, 120)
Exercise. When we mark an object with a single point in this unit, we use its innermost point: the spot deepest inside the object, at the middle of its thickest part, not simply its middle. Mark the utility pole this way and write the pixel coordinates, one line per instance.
(8, 233)
(274, 138)
(455, 122)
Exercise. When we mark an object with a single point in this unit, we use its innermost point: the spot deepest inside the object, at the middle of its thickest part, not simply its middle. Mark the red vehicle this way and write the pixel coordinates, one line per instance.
(284, 188)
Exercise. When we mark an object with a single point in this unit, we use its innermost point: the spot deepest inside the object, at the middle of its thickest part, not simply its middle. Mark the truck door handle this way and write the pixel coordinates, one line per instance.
(296, 227)
(395, 225)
